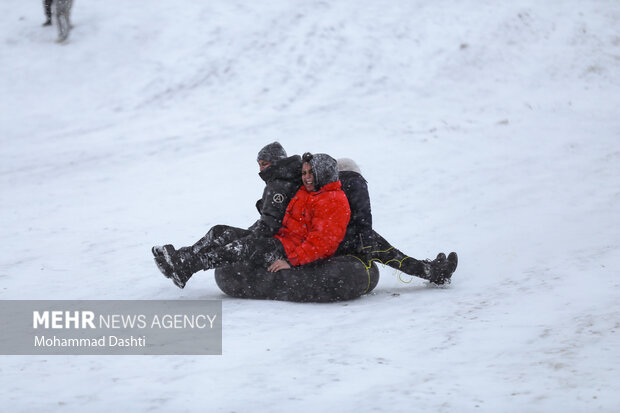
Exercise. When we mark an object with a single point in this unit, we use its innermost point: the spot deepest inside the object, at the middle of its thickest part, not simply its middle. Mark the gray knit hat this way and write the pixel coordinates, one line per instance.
(271, 153)
(324, 168)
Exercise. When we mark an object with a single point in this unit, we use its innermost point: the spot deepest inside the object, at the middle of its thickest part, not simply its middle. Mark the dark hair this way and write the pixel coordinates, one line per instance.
(307, 157)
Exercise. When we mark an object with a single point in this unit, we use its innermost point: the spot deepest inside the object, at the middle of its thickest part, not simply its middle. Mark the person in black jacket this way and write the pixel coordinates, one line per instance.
(366, 244)
(282, 176)
(282, 180)
(360, 234)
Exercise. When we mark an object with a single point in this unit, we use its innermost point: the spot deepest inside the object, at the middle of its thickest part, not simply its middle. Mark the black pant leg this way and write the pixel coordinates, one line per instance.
(257, 251)
(219, 236)
(47, 6)
(383, 252)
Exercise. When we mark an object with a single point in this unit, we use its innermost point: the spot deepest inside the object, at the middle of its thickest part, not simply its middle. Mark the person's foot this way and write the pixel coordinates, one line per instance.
(441, 269)
(47, 23)
(430, 266)
(177, 266)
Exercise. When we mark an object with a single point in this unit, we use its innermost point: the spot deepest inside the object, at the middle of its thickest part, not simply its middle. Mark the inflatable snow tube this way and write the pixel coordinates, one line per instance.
(334, 279)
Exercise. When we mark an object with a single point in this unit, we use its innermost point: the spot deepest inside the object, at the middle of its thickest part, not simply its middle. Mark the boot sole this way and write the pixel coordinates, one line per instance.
(163, 266)
(157, 251)
(173, 275)
(454, 259)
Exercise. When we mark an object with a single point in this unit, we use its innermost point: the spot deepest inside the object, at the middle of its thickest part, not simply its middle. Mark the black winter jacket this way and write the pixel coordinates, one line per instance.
(282, 180)
(359, 234)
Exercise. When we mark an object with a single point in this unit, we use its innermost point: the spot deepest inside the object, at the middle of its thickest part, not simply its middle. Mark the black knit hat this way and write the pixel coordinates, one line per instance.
(271, 153)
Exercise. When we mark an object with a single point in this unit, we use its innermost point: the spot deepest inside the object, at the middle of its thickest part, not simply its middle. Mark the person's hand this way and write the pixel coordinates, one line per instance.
(278, 265)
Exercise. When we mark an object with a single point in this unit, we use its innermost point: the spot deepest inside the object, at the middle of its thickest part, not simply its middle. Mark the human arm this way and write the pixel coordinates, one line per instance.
(271, 207)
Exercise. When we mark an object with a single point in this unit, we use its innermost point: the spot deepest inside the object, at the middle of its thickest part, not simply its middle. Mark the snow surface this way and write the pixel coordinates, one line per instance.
(488, 128)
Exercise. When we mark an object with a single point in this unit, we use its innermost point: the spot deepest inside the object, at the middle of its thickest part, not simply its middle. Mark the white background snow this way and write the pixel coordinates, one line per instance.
(487, 128)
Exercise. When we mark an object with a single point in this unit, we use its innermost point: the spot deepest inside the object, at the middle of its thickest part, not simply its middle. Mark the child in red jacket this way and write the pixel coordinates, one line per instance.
(314, 224)
(316, 219)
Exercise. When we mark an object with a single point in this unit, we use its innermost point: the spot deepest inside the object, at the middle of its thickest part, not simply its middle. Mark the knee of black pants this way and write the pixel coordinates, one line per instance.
(218, 236)
(215, 231)
(227, 234)
(265, 251)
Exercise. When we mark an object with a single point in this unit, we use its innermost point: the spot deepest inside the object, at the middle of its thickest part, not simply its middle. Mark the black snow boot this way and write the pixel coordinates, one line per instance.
(177, 265)
(440, 270)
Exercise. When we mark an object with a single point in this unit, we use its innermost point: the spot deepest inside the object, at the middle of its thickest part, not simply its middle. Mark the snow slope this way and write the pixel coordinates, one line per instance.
(488, 128)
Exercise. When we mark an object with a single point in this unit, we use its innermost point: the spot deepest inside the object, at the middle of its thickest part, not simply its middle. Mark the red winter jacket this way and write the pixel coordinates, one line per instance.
(314, 224)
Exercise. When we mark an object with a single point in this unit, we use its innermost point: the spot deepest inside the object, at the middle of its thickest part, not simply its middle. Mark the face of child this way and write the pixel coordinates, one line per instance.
(307, 177)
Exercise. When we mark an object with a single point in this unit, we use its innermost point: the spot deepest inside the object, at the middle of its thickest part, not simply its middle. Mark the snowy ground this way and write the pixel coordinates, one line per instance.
(488, 128)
